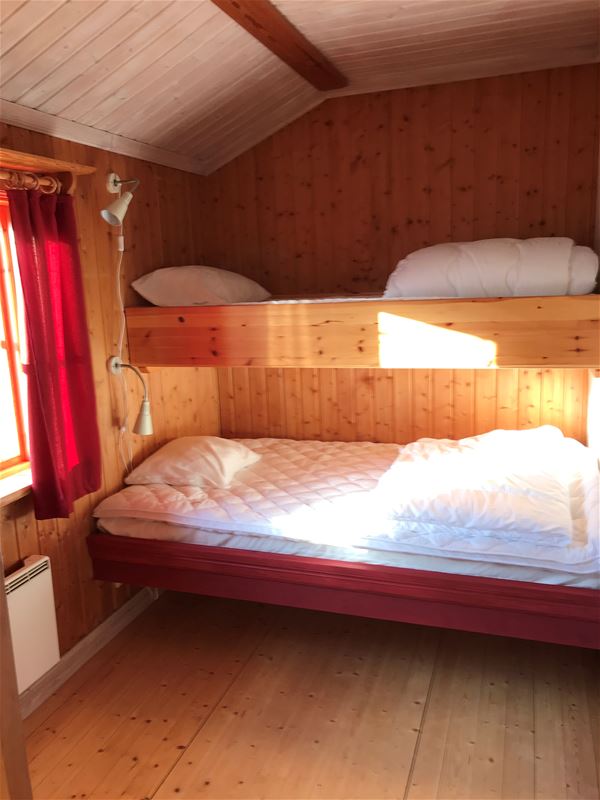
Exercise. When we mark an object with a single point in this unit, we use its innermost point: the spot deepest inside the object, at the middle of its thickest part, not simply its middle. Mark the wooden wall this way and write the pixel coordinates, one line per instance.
(399, 405)
(332, 201)
(160, 229)
(329, 204)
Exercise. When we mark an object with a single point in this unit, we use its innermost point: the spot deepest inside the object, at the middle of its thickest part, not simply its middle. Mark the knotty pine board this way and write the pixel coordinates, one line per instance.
(398, 405)
(503, 332)
(332, 201)
(159, 229)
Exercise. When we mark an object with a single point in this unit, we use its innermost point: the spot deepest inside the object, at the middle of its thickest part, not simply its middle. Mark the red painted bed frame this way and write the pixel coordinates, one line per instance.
(559, 614)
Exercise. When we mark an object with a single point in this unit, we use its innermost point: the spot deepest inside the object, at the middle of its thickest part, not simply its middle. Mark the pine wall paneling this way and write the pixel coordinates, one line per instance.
(386, 405)
(160, 229)
(331, 202)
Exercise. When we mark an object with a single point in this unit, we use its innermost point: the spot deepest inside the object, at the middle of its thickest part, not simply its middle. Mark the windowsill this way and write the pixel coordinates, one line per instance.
(14, 487)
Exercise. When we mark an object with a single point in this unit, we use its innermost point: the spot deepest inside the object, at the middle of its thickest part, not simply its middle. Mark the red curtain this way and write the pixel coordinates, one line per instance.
(63, 432)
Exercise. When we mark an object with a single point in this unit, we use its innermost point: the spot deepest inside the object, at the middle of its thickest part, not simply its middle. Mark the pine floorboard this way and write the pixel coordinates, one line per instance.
(207, 698)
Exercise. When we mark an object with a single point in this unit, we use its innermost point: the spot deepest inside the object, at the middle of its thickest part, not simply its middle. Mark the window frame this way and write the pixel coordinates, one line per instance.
(8, 308)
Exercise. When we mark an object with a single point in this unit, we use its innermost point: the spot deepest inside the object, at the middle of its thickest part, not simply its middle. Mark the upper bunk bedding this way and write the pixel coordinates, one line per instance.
(521, 505)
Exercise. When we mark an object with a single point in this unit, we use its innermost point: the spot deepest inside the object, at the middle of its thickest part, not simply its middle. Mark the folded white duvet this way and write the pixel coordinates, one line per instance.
(506, 495)
(496, 268)
(511, 484)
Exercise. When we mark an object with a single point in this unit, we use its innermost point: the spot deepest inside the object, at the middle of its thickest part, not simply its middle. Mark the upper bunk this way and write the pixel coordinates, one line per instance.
(549, 331)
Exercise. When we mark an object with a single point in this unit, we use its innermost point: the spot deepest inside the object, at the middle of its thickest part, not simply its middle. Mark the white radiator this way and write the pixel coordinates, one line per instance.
(32, 619)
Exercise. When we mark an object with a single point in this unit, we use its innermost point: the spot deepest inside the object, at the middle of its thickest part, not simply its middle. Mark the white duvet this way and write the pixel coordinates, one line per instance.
(517, 497)
(496, 268)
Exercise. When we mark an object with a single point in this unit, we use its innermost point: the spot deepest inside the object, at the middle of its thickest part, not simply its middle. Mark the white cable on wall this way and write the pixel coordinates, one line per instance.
(125, 448)
(114, 214)
(121, 338)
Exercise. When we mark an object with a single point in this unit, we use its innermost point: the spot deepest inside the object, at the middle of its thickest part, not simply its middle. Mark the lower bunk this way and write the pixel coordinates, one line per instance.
(494, 534)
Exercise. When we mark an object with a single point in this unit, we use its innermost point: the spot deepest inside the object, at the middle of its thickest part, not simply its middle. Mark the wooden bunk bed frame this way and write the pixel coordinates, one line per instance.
(558, 614)
(523, 331)
(526, 332)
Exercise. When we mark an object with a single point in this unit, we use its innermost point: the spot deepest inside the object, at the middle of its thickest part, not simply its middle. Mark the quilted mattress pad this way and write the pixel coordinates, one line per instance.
(350, 494)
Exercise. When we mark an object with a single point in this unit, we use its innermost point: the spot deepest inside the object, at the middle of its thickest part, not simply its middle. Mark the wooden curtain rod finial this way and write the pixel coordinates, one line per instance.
(272, 29)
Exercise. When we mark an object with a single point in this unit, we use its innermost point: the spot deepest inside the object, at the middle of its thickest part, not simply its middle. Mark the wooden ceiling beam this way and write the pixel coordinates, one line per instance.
(272, 29)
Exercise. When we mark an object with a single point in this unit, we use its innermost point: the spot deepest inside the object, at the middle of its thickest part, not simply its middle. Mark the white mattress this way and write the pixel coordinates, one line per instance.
(274, 506)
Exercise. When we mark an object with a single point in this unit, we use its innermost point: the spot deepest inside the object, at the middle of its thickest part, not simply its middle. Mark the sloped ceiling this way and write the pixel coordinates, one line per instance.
(180, 83)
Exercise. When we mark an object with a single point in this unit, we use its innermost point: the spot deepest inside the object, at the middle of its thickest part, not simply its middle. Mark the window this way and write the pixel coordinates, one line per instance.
(14, 449)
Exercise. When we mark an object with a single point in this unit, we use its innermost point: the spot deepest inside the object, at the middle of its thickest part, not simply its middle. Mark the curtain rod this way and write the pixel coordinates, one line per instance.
(15, 179)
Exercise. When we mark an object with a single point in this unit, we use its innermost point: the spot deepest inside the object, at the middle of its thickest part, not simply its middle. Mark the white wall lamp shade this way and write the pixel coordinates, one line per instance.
(143, 424)
(114, 214)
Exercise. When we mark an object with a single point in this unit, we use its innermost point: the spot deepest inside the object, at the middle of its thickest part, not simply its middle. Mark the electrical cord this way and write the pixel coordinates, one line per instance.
(124, 444)
(116, 364)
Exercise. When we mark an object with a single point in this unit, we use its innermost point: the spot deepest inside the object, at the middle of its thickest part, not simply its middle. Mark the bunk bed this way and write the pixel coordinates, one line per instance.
(550, 331)
(367, 332)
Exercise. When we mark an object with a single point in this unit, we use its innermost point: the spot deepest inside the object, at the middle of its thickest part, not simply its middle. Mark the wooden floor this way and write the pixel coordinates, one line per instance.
(203, 698)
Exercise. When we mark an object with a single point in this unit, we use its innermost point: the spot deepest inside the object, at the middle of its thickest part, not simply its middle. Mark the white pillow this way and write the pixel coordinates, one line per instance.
(195, 461)
(198, 286)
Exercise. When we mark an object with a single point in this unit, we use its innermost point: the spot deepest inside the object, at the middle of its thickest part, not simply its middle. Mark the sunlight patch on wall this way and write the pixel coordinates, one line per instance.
(409, 343)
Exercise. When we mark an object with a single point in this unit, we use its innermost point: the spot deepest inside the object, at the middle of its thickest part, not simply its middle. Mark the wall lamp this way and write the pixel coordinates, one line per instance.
(143, 424)
(114, 213)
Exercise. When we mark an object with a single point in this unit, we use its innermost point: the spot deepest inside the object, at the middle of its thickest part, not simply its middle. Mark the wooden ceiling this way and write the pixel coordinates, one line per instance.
(180, 82)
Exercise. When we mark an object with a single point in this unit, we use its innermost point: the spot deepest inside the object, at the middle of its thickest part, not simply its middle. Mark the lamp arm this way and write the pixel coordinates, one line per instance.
(132, 180)
(139, 374)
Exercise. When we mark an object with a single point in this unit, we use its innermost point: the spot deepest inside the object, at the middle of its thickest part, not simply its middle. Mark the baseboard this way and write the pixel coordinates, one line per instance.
(75, 658)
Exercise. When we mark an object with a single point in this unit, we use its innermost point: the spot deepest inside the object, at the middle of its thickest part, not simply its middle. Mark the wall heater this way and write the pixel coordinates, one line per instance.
(32, 617)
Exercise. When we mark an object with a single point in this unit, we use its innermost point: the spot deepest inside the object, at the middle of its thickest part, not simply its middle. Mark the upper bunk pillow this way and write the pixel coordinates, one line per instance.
(198, 286)
(496, 268)
(194, 461)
